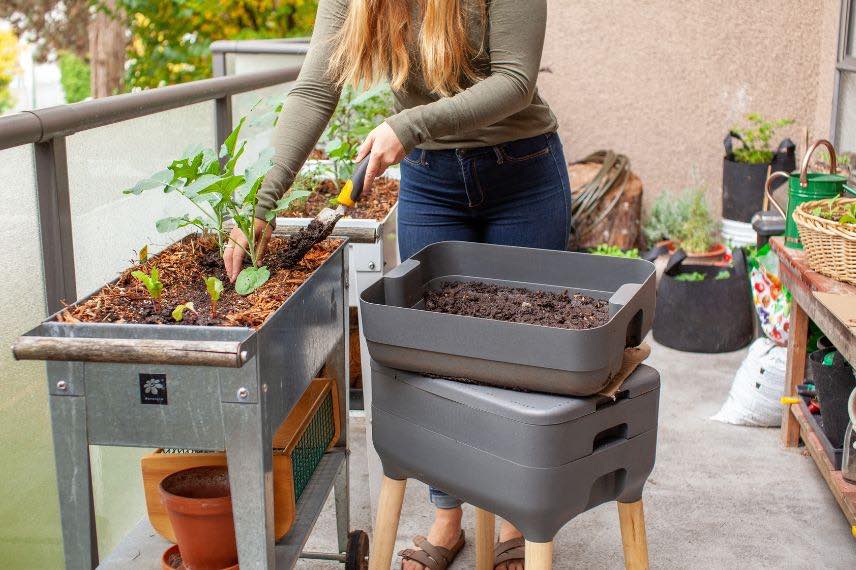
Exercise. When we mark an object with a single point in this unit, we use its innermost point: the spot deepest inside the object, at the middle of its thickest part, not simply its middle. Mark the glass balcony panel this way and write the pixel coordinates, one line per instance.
(846, 120)
(30, 532)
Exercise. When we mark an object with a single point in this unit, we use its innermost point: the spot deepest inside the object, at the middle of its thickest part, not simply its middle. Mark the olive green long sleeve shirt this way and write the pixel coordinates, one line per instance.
(502, 106)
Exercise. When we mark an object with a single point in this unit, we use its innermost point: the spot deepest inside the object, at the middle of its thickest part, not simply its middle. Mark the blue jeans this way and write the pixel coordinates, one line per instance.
(517, 193)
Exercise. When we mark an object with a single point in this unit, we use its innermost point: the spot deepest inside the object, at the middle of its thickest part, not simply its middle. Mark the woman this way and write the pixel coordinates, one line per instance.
(480, 158)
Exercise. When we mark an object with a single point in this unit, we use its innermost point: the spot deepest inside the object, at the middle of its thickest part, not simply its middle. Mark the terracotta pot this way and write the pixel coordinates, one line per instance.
(199, 506)
(171, 560)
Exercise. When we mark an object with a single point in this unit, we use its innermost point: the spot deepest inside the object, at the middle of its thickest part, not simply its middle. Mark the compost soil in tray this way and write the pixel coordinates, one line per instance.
(487, 301)
(183, 268)
(374, 204)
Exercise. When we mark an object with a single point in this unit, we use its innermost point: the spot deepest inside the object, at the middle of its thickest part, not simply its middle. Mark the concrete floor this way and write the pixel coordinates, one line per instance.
(721, 496)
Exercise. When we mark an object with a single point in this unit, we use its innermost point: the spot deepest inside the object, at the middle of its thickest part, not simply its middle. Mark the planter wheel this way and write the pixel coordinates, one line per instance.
(357, 556)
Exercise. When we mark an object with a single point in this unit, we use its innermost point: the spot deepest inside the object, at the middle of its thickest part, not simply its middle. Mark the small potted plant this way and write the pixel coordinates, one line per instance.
(684, 222)
(744, 169)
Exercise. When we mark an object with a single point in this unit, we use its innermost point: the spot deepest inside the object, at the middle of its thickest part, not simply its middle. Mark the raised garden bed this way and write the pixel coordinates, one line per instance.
(608, 301)
(375, 204)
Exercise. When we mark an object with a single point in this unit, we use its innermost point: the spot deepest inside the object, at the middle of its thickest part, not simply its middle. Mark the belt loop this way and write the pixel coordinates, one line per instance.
(422, 159)
(498, 154)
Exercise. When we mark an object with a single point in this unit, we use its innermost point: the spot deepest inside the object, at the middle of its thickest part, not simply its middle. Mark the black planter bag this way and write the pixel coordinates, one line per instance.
(743, 184)
(708, 316)
(834, 384)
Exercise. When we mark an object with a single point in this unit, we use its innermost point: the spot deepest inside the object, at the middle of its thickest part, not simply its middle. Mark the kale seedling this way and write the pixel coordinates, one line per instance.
(152, 283)
(178, 312)
(615, 251)
(723, 274)
(693, 277)
(215, 288)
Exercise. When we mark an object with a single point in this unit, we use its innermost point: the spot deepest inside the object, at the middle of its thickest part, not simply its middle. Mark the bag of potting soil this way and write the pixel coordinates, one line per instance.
(772, 300)
(757, 388)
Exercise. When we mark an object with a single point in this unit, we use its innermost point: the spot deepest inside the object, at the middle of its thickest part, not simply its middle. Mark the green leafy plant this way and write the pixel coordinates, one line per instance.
(834, 210)
(722, 275)
(356, 115)
(178, 312)
(152, 283)
(614, 251)
(756, 138)
(75, 77)
(692, 277)
(684, 219)
(209, 181)
(215, 288)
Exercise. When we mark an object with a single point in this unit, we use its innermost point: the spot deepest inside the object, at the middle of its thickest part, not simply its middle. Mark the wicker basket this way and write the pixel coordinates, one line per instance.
(830, 246)
(310, 430)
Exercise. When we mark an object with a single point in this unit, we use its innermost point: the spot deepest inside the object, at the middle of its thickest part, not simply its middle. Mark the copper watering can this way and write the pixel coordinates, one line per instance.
(805, 186)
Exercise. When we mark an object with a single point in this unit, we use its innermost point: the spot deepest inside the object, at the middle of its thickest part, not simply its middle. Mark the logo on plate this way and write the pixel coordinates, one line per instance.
(153, 389)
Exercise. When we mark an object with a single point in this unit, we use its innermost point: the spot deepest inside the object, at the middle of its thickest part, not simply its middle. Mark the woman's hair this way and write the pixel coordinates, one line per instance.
(372, 45)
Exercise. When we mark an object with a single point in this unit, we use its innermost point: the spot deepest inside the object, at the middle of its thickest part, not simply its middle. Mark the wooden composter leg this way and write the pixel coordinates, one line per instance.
(539, 555)
(632, 519)
(386, 525)
(485, 535)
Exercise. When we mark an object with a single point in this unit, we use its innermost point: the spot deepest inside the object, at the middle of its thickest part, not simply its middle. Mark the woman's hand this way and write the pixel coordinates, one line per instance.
(385, 149)
(236, 246)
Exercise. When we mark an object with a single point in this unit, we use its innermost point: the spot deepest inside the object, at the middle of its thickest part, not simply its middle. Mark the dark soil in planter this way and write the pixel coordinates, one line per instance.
(183, 268)
(374, 204)
(486, 301)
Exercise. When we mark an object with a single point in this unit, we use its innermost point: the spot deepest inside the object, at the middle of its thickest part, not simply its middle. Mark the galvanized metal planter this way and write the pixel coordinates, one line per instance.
(205, 388)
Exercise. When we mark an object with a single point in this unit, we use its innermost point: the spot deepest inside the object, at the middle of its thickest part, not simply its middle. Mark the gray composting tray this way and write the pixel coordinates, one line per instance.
(401, 335)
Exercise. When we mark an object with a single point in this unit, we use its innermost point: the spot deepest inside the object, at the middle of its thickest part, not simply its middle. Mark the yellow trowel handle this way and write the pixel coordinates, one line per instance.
(353, 188)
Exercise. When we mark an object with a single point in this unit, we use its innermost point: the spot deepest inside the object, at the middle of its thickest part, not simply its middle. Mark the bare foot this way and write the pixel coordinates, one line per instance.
(444, 532)
(507, 531)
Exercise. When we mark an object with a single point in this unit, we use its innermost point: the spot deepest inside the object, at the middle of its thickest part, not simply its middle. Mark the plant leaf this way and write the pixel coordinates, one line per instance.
(228, 148)
(214, 287)
(250, 279)
(144, 254)
(178, 312)
(158, 180)
(847, 219)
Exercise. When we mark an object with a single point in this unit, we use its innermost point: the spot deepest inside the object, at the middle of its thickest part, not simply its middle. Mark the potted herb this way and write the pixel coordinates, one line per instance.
(704, 308)
(684, 222)
(744, 169)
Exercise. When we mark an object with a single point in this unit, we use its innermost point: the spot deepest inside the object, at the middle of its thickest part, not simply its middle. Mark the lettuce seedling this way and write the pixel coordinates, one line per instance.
(178, 312)
(152, 283)
(215, 288)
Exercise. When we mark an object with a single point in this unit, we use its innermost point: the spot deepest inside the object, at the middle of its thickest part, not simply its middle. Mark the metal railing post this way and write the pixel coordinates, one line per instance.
(222, 105)
(51, 165)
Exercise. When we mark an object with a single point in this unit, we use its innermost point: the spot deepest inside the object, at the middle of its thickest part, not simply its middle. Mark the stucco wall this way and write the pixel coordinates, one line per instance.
(662, 81)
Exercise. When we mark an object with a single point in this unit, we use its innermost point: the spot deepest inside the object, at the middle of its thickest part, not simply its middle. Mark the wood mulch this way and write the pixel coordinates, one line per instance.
(374, 204)
(183, 268)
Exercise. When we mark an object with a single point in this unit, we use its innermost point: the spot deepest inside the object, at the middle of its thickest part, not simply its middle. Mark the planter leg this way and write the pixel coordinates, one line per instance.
(74, 478)
(485, 536)
(386, 526)
(632, 519)
(248, 445)
(539, 555)
(794, 371)
(343, 509)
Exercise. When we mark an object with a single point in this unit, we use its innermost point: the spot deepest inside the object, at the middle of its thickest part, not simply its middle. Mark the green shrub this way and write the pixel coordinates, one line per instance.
(74, 77)
(756, 139)
(684, 219)
(614, 251)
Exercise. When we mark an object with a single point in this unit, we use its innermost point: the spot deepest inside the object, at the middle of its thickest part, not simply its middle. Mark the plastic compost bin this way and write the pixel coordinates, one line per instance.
(401, 335)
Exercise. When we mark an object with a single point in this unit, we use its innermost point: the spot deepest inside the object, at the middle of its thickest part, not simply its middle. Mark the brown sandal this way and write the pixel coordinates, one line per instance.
(509, 551)
(430, 556)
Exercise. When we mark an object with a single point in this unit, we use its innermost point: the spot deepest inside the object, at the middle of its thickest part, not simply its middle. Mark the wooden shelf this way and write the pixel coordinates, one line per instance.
(844, 491)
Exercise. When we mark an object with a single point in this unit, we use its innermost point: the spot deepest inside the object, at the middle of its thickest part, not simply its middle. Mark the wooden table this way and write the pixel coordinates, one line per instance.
(803, 283)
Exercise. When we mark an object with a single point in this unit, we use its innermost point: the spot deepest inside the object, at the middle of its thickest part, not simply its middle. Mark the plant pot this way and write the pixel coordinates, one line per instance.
(708, 316)
(712, 255)
(555, 360)
(171, 560)
(834, 384)
(743, 184)
(199, 506)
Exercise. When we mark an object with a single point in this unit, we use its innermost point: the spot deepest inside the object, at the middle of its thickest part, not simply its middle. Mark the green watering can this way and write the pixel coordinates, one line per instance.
(804, 186)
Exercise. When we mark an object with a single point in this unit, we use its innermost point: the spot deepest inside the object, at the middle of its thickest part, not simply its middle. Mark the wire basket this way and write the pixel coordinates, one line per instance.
(829, 245)
(310, 430)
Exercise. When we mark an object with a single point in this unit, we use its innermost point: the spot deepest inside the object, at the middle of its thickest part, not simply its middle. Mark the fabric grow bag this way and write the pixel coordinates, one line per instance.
(704, 316)
(743, 184)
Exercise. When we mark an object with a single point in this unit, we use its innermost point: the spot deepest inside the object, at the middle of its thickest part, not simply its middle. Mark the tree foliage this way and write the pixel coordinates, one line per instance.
(8, 67)
(75, 77)
(171, 38)
(51, 25)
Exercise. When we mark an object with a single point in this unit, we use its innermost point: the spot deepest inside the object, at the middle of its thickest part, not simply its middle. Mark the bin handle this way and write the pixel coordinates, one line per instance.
(833, 161)
(768, 195)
